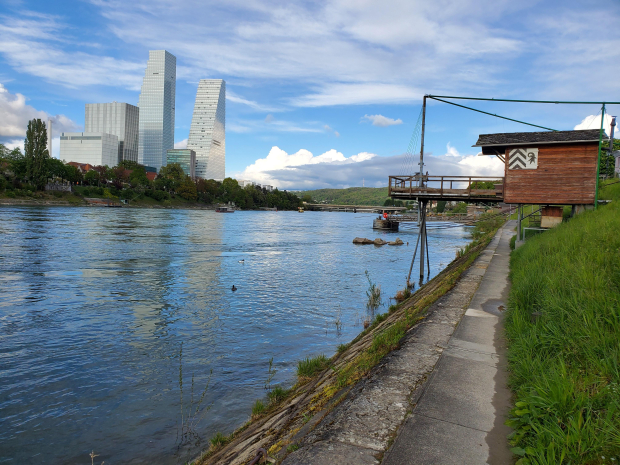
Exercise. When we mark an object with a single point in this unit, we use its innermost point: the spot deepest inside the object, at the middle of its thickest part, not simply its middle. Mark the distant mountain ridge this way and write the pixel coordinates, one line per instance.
(350, 196)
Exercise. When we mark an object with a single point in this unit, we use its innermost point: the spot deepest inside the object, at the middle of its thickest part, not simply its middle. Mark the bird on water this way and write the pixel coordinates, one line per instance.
(233, 288)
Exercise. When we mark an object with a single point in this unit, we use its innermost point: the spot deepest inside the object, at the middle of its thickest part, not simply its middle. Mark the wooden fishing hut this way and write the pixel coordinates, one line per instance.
(550, 169)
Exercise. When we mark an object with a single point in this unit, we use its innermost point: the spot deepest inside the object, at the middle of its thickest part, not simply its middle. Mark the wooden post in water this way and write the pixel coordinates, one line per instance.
(422, 239)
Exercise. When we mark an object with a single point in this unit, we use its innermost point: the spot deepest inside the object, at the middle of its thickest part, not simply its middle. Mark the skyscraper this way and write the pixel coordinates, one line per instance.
(157, 109)
(207, 134)
(120, 119)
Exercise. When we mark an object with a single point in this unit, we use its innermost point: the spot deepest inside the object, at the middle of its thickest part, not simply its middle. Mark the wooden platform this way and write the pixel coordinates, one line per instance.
(351, 208)
(449, 188)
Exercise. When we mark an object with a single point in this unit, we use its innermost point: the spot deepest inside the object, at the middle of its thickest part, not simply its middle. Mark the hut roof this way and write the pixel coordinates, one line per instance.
(546, 137)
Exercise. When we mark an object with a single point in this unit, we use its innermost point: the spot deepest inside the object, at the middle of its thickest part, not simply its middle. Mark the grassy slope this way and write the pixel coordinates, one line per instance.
(565, 359)
(351, 196)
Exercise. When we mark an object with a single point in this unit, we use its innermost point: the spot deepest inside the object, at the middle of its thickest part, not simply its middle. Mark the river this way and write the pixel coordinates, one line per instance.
(96, 303)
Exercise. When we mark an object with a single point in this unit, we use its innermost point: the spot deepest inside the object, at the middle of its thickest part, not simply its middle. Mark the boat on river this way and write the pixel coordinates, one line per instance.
(224, 210)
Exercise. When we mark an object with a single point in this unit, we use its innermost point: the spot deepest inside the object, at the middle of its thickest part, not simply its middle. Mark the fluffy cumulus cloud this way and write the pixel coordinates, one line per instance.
(15, 114)
(303, 170)
(594, 122)
(381, 121)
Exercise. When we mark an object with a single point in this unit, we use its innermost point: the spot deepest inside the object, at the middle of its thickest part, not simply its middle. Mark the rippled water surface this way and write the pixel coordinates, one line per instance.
(96, 303)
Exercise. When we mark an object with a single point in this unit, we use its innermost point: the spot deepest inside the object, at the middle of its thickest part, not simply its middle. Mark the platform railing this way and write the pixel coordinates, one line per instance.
(445, 186)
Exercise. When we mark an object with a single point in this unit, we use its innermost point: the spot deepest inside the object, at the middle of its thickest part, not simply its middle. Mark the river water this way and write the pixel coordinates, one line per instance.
(96, 303)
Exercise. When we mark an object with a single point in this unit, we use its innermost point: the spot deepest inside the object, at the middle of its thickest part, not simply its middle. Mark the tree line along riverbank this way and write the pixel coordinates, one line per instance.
(563, 331)
(24, 177)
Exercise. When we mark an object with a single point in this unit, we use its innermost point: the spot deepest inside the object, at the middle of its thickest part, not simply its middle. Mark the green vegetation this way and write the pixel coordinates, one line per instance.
(563, 328)
(486, 223)
(461, 207)
(485, 184)
(342, 347)
(277, 394)
(219, 440)
(292, 447)
(258, 407)
(607, 159)
(22, 175)
(374, 295)
(350, 196)
(36, 154)
(310, 366)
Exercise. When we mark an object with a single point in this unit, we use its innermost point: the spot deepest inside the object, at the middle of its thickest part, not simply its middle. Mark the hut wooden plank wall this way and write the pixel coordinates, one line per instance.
(546, 168)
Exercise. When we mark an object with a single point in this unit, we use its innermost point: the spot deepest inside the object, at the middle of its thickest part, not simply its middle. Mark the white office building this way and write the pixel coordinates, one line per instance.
(207, 133)
(95, 148)
(157, 97)
(120, 119)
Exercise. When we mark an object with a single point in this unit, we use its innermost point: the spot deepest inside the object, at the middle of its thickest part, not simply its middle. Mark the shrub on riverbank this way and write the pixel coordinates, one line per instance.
(563, 329)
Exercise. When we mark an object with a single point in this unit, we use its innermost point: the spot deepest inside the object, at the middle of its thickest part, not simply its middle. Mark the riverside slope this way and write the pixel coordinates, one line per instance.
(447, 383)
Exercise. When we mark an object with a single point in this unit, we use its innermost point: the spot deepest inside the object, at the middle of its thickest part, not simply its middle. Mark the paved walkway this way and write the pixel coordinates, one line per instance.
(459, 415)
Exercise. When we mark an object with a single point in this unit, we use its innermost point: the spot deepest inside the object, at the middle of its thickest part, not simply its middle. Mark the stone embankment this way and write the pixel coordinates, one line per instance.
(351, 411)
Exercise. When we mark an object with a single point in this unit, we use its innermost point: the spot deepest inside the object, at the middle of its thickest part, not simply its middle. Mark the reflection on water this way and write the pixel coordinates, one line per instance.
(95, 304)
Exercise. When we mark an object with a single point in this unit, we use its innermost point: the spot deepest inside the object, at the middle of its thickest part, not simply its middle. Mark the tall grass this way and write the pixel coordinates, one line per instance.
(563, 329)
(308, 367)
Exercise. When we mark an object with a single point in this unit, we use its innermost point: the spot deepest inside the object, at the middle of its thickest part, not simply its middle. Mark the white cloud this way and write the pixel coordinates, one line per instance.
(303, 170)
(328, 128)
(594, 122)
(281, 169)
(357, 94)
(382, 121)
(15, 114)
(33, 44)
(181, 144)
(250, 103)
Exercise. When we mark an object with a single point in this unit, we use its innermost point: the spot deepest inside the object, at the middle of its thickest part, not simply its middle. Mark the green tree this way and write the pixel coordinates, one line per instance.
(441, 206)
(138, 178)
(187, 189)
(72, 174)
(130, 164)
(35, 148)
(92, 178)
(170, 177)
(56, 169)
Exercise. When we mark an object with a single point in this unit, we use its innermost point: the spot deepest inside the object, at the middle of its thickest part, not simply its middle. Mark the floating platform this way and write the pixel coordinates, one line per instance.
(386, 225)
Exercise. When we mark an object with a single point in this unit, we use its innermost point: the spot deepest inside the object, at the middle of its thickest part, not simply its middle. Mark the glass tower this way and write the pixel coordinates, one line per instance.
(120, 119)
(207, 134)
(157, 109)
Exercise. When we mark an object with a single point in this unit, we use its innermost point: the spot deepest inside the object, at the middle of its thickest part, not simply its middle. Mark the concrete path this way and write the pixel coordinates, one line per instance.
(459, 413)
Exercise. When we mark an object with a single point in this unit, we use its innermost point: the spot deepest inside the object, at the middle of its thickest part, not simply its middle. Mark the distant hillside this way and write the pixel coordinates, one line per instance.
(350, 196)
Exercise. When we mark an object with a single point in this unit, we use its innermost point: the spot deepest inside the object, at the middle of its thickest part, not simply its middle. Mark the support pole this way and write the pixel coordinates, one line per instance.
(420, 183)
(428, 264)
(413, 259)
(519, 215)
(598, 160)
(423, 239)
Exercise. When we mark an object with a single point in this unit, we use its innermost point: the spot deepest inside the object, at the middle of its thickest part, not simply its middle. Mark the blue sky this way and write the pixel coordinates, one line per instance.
(320, 94)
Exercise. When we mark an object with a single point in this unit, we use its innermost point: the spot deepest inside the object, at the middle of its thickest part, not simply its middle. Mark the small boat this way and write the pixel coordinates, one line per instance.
(300, 209)
(223, 210)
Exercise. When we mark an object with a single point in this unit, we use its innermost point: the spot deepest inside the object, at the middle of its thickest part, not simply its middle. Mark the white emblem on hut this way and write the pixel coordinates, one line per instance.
(523, 159)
